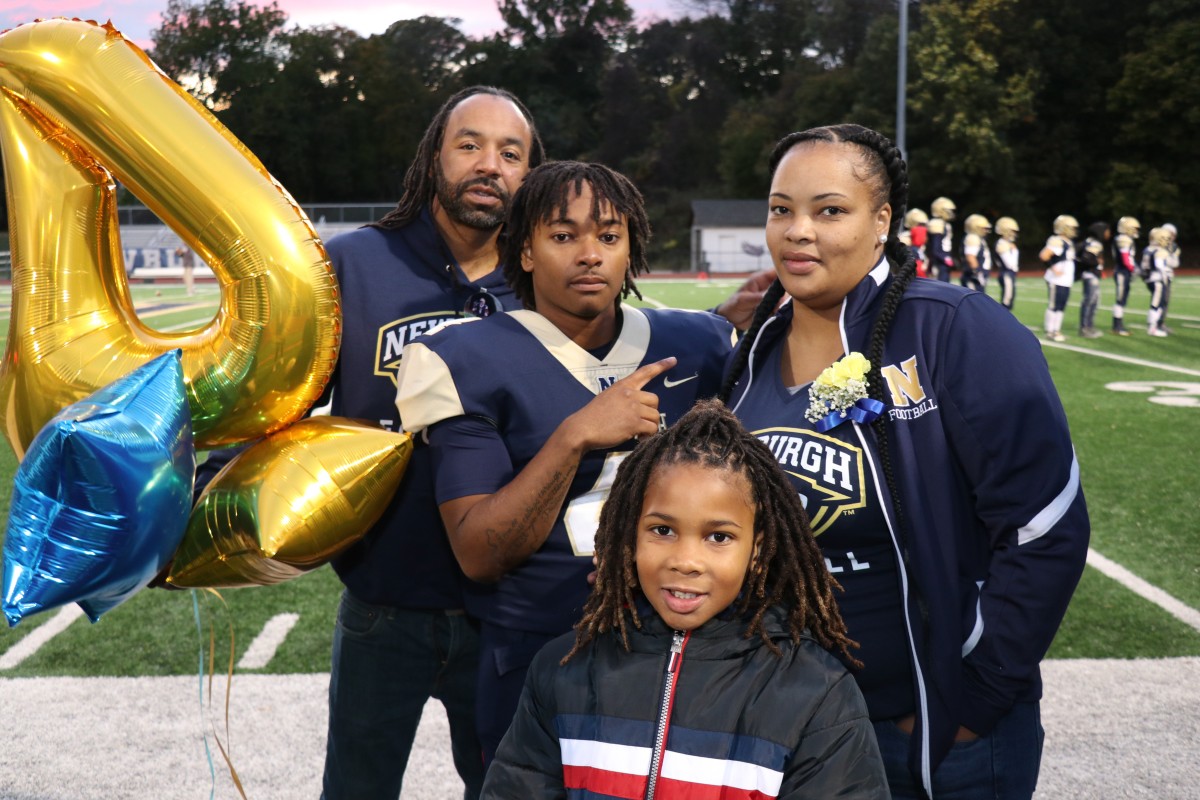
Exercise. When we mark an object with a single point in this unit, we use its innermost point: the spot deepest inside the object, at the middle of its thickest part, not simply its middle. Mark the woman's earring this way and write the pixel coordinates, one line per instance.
(883, 237)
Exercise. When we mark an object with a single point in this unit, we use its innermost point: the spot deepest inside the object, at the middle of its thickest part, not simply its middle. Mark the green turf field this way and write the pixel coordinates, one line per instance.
(1134, 406)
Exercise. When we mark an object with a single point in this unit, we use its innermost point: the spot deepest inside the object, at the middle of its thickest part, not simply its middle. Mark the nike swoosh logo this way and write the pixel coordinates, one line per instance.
(670, 384)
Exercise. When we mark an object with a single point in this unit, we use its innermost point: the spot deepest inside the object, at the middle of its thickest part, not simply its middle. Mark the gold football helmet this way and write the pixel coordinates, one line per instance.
(1007, 228)
(1129, 226)
(915, 217)
(1066, 225)
(977, 224)
(943, 208)
(1160, 237)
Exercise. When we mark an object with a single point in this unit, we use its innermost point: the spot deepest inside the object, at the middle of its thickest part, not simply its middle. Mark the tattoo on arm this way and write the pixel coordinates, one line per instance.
(511, 545)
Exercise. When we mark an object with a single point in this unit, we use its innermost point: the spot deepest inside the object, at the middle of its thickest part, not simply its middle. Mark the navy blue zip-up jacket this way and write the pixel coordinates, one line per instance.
(994, 529)
(740, 721)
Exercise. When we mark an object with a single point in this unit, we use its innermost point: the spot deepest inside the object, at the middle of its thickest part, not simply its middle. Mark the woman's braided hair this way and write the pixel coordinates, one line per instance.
(544, 197)
(887, 175)
(788, 570)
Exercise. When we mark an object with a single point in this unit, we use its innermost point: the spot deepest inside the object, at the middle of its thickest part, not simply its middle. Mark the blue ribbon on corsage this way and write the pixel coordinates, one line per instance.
(864, 410)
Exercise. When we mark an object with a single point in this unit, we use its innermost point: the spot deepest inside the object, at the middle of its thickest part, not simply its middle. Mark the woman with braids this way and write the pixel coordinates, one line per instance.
(701, 667)
(920, 424)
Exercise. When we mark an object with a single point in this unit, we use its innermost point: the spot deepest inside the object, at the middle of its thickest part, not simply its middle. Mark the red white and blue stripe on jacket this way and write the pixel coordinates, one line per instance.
(609, 757)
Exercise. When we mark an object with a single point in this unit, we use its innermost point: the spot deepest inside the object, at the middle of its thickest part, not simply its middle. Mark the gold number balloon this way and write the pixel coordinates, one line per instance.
(78, 102)
(290, 503)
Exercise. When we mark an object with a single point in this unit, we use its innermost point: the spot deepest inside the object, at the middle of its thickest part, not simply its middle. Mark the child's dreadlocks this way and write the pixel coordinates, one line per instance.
(789, 570)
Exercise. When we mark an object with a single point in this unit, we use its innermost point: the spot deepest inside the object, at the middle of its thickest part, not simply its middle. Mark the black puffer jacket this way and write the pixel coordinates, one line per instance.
(738, 716)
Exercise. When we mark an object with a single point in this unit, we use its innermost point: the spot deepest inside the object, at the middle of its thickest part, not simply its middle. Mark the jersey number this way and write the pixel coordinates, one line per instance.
(582, 516)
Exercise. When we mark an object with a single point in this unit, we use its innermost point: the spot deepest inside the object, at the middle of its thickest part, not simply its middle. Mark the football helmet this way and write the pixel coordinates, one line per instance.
(977, 224)
(943, 208)
(1160, 237)
(1170, 229)
(1066, 225)
(1129, 226)
(915, 217)
(1007, 228)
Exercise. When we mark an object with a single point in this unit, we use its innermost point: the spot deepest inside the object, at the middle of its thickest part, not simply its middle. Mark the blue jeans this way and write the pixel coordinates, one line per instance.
(387, 662)
(505, 656)
(1000, 766)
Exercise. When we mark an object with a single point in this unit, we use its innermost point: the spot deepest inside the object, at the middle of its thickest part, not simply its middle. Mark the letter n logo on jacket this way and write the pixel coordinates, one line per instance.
(904, 383)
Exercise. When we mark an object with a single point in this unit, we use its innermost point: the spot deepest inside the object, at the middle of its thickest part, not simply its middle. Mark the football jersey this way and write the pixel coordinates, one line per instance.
(1008, 255)
(1126, 252)
(523, 377)
(393, 286)
(835, 480)
(976, 245)
(941, 240)
(1063, 250)
(1155, 264)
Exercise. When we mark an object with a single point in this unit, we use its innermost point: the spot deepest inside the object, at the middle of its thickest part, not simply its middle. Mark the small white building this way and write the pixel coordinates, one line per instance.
(729, 236)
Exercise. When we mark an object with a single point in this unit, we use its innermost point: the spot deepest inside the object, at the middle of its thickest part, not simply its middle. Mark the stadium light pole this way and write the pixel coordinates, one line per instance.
(902, 80)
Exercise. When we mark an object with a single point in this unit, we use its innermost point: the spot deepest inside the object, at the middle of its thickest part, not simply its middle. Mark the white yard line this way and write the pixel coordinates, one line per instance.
(39, 636)
(263, 648)
(1183, 613)
(1116, 357)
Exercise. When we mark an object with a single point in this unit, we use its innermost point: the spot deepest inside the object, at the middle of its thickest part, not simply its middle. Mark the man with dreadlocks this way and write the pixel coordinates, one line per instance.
(706, 662)
(402, 635)
(528, 413)
(942, 487)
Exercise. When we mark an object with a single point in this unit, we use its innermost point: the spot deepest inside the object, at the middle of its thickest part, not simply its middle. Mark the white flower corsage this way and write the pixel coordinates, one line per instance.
(840, 393)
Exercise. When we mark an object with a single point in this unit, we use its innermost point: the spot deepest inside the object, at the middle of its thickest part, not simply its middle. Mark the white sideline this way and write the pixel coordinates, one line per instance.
(13, 656)
(1149, 591)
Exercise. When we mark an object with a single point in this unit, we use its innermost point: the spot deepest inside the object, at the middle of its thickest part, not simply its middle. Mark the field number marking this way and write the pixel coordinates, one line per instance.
(1180, 394)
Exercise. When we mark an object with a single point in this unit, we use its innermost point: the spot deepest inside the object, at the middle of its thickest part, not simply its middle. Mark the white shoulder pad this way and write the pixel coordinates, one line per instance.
(425, 390)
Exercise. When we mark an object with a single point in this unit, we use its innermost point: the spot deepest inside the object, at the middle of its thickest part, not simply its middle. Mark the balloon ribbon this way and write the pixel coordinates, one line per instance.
(212, 651)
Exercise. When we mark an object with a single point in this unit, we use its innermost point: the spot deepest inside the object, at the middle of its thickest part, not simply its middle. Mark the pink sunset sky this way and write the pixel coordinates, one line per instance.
(136, 18)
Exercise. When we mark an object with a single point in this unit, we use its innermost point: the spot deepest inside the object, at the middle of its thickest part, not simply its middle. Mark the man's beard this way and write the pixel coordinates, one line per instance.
(451, 199)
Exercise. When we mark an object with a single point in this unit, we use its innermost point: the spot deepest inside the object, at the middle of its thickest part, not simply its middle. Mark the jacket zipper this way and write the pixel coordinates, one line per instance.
(678, 642)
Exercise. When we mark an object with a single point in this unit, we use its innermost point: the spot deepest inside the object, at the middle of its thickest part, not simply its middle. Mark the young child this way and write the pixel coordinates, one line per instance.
(702, 664)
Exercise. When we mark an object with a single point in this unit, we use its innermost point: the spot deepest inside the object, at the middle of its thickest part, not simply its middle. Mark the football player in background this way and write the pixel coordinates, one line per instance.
(1156, 272)
(1059, 256)
(1009, 257)
(977, 256)
(916, 223)
(1125, 264)
(941, 238)
(1090, 264)
(1172, 248)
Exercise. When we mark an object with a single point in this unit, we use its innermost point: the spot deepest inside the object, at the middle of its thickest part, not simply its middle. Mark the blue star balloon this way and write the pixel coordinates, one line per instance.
(102, 498)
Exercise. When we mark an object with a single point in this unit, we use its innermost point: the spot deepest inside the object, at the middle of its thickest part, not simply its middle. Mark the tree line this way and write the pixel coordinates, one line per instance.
(1024, 108)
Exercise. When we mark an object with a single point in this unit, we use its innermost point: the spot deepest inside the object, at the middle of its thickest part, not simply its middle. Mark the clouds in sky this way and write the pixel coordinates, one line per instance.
(136, 18)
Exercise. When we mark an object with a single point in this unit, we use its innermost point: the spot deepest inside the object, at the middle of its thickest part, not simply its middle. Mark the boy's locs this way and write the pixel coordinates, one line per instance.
(709, 585)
